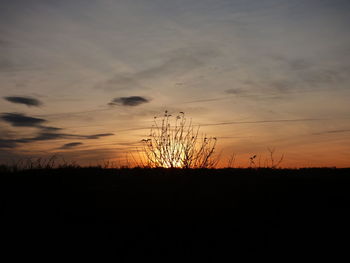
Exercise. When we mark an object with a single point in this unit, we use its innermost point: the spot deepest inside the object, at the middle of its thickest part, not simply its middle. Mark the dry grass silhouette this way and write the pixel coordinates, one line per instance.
(174, 142)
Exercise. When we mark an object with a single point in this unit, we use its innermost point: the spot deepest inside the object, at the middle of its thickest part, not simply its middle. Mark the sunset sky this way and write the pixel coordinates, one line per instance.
(84, 79)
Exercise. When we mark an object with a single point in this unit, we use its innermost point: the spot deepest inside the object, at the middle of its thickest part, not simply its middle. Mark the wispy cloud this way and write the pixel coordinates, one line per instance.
(4, 43)
(302, 75)
(46, 136)
(235, 91)
(28, 101)
(129, 101)
(176, 63)
(6, 64)
(49, 128)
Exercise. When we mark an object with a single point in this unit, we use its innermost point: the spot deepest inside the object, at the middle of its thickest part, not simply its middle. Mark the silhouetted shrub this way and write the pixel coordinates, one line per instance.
(175, 142)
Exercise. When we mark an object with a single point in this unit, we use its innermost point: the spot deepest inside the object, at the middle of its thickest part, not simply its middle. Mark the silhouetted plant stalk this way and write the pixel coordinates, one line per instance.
(231, 160)
(270, 162)
(274, 164)
(174, 142)
(252, 161)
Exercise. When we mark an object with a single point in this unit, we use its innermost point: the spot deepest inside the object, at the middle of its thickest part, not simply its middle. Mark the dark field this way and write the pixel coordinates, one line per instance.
(202, 214)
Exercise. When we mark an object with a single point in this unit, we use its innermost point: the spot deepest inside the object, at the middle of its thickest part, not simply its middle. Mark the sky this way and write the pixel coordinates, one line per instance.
(83, 79)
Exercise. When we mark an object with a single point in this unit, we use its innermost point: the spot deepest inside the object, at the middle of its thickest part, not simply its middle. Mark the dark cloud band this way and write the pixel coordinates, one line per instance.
(28, 101)
(48, 136)
(7, 144)
(45, 136)
(129, 101)
(21, 120)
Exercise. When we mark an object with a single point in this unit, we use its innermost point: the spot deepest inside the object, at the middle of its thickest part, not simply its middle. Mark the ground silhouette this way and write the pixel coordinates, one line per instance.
(198, 213)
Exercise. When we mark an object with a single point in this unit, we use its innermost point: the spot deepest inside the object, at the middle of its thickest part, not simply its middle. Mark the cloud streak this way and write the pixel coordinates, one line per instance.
(262, 121)
(98, 136)
(332, 132)
(70, 145)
